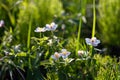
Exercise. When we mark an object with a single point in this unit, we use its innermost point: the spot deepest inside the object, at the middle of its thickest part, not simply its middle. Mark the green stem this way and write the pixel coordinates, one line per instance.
(52, 33)
(78, 37)
(94, 19)
(28, 41)
(29, 33)
(40, 35)
(93, 29)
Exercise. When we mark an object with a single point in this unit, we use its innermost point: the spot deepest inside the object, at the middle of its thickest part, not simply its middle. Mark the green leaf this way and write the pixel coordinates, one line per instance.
(46, 62)
(21, 54)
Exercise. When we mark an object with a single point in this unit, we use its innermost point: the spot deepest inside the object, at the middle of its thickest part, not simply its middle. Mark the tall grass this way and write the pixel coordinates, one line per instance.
(6, 9)
(82, 11)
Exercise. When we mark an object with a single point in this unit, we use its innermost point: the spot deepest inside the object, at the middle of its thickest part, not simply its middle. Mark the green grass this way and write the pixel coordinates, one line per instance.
(26, 55)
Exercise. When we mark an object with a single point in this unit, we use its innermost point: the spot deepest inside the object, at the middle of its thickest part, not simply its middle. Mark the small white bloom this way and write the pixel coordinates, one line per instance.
(6, 53)
(56, 56)
(38, 29)
(84, 19)
(81, 52)
(71, 21)
(1, 23)
(65, 53)
(63, 26)
(21, 61)
(18, 2)
(50, 42)
(55, 37)
(40, 54)
(51, 27)
(79, 14)
(93, 41)
(17, 48)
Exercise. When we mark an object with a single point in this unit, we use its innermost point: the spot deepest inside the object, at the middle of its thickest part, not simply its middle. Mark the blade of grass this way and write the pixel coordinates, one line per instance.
(28, 42)
(29, 32)
(78, 37)
(11, 17)
(82, 10)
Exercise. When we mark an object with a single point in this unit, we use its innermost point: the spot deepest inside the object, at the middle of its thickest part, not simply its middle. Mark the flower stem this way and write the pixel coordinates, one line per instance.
(29, 33)
(28, 41)
(93, 28)
(94, 19)
(78, 37)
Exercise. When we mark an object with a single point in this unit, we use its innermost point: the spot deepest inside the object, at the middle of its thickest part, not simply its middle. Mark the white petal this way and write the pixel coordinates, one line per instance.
(63, 50)
(88, 41)
(97, 41)
(94, 44)
(68, 53)
(94, 38)
(47, 25)
(52, 24)
(53, 57)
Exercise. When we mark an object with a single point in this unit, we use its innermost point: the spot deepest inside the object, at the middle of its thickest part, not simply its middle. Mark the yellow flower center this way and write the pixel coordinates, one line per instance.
(51, 25)
(56, 55)
(93, 40)
(64, 53)
(80, 52)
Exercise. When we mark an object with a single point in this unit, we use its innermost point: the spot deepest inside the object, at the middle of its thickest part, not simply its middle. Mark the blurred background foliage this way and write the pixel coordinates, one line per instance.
(19, 13)
(40, 12)
(109, 19)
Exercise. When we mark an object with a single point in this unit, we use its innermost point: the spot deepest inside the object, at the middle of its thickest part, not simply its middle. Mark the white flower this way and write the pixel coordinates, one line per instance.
(50, 42)
(51, 27)
(93, 41)
(84, 19)
(38, 29)
(56, 56)
(6, 52)
(17, 48)
(63, 26)
(55, 37)
(65, 53)
(1, 23)
(81, 52)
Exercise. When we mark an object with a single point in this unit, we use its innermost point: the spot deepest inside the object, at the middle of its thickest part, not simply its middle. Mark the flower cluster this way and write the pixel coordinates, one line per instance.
(93, 41)
(53, 40)
(64, 54)
(48, 27)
